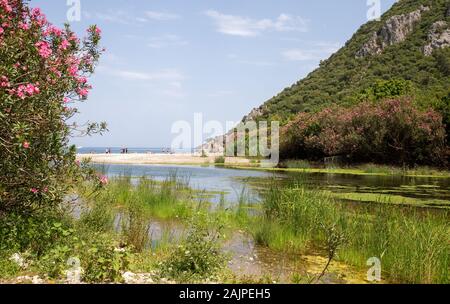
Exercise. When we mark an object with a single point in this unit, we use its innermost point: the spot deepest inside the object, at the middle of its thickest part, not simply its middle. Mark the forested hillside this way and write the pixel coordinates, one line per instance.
(409, 43)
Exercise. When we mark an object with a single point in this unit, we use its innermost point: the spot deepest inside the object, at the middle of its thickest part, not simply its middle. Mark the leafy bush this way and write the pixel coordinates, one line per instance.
(384, 89)
(43, 72)
(35, 234)
(198, 257)
(103, 260)
(220, 160)
(391, 131)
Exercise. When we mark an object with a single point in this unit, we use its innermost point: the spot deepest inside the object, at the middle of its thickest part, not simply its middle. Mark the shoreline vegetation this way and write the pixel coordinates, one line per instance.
(144, 231)
(299, 166)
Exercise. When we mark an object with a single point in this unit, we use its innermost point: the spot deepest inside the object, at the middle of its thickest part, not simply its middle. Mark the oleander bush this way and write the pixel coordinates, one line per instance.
(392, 131)
(44, 72)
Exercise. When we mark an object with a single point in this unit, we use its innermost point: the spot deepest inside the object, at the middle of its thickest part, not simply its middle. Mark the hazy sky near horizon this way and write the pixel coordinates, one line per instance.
(169, 59)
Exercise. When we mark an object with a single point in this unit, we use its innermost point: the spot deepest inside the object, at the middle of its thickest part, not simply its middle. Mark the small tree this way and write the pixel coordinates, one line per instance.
(43, 73)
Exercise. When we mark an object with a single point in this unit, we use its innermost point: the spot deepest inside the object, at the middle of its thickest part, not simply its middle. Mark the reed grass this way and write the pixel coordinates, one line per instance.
(413, 245)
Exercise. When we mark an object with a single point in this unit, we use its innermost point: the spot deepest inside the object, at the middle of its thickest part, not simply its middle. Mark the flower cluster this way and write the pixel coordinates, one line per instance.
(23, 91)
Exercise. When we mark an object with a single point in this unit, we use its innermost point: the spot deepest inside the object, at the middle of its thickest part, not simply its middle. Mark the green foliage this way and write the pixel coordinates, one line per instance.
(443, 61)
(43, 74)
(198, 257)
(390, 131)
(384, 89)
(220, 160)
(136, 226)
(103, 260)
(413, 244)
(50, 240)
(36, 234)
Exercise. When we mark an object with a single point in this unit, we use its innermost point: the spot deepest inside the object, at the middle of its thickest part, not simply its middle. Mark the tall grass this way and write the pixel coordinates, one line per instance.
(414, 246)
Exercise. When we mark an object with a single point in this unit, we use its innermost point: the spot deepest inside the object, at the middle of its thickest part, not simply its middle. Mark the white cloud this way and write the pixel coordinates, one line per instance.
(247, 27)
(320, 50)
(170, 75)
(166, 41)
(115, 16)
(124, 17)
(161, 16)
(166, 82)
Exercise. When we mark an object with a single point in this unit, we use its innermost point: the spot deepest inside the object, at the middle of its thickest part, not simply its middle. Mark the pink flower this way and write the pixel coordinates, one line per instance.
(95, 30)
(83, 92)
(66, 100)
(24, 26)
(73, 70)
(26, 145)
(31, 89)
(34, 190)
(53, 30)
(104, 180)
(23, 90)
(1, 31)
(82, 80)
(64, 44)
(44, 49)
(4, 82)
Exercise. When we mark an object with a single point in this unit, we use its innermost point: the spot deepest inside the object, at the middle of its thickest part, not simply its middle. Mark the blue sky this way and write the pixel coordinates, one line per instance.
(167, 59)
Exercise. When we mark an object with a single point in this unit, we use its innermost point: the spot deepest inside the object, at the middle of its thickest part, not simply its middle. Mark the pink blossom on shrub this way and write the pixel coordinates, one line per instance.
(104, 180)
(47, 67)
(388, 131)
(83, 92)
(44, 49)
(64, 45)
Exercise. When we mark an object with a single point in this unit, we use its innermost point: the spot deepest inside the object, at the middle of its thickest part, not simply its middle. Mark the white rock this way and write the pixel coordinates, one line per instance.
(134, 278)
(19, 260)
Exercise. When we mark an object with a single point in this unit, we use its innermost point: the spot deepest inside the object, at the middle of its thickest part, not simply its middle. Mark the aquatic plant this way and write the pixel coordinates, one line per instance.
(413, 245)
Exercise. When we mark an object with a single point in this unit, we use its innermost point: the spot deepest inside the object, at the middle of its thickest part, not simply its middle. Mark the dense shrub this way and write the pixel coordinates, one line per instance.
(43, 72)
(391, 131)
(384, 89)
(198, 257)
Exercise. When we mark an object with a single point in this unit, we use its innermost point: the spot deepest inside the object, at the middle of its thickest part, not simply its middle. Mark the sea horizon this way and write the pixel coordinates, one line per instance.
(133, 150)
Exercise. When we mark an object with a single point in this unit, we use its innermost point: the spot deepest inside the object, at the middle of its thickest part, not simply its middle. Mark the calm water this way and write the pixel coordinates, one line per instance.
(208, 178)
(233, 182)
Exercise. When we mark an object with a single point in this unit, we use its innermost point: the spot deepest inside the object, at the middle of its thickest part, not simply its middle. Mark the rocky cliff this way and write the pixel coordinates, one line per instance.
(395, 30)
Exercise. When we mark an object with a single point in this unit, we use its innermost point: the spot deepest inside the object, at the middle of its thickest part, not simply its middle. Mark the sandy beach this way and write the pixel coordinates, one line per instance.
(159, 159)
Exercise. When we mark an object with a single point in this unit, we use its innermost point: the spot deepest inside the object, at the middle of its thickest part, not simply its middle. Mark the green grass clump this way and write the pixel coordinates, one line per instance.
(414, 246)
(220, 160)
(198, 257)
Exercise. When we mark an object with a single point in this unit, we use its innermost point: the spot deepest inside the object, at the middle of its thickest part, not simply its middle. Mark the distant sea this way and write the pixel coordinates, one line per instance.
(118, 150)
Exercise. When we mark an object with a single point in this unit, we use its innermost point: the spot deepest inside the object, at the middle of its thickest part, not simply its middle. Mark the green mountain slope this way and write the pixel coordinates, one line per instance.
(409, 42)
